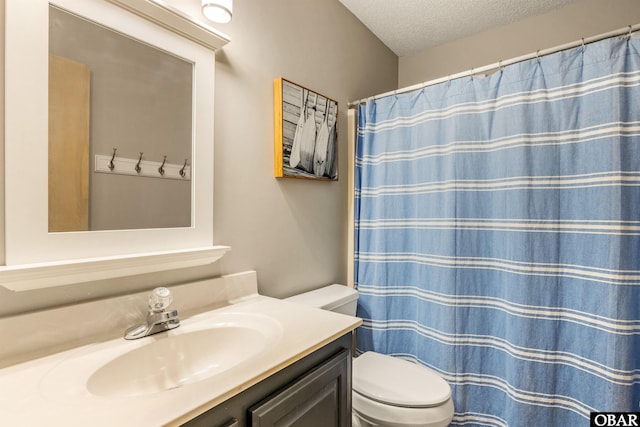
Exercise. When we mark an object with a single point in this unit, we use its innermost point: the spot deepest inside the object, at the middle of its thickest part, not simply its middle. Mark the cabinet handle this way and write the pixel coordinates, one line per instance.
(230, 423)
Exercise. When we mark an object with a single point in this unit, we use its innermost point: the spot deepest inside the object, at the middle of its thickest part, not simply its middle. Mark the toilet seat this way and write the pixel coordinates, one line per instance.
(380, 414)
(397, 382)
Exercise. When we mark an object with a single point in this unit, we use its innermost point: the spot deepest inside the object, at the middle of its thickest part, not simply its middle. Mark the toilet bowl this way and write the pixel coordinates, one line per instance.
(387, 391)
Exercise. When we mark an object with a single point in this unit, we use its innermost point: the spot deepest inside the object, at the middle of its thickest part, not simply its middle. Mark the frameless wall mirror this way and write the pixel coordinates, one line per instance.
(108, 150)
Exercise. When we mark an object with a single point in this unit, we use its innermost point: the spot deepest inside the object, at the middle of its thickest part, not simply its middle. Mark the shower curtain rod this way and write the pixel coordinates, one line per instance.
(497, 65)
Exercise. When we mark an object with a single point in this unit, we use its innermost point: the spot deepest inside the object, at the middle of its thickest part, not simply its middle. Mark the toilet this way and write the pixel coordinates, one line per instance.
(387, 391)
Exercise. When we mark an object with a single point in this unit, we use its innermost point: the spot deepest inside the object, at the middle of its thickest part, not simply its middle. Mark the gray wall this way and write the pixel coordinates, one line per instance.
(293, 232)
(578, 20)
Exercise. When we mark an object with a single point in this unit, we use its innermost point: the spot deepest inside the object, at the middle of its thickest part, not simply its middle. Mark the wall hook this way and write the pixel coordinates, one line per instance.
(182, 172)
(111, 164)
(161, 168)
(138, 168)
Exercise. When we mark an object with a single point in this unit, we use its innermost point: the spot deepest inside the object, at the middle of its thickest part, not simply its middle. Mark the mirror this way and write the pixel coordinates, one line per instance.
(34, 257)
(112, 97)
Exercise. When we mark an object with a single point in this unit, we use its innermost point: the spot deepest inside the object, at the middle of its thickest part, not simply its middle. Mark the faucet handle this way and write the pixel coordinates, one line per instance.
(159, 299)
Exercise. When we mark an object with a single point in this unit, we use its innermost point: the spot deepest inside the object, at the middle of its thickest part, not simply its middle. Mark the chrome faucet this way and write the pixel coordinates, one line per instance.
(159, 318)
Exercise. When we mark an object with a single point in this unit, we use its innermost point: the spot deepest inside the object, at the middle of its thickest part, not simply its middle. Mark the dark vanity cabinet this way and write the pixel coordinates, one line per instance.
(313, 392)
(315, 399)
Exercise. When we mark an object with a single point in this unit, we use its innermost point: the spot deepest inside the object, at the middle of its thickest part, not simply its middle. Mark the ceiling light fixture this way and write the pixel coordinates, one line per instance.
(219, 11)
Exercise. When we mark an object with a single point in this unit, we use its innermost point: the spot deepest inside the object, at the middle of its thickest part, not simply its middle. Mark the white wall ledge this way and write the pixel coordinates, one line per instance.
(44, 275)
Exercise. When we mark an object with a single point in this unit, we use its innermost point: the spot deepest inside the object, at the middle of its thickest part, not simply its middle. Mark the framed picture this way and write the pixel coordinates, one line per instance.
(306, 137)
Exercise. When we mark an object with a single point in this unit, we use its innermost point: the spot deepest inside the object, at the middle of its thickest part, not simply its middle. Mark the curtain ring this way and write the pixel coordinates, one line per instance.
(394, 94)
(583, 45)
(630, 31)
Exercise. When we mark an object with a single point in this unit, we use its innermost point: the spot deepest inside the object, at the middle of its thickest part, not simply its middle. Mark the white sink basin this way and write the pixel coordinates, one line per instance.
(203, 348)
(176, 360)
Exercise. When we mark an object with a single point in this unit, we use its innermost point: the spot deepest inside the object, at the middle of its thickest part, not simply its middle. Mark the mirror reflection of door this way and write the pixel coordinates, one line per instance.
(69, 112)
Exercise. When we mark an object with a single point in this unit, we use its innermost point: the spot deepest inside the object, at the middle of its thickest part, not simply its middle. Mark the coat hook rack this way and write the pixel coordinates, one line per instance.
(182, 171)
(111, 164)
(161, 168)
(140, 167)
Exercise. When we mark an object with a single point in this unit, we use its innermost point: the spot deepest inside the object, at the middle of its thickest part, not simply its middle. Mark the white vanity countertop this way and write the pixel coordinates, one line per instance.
(36, 393)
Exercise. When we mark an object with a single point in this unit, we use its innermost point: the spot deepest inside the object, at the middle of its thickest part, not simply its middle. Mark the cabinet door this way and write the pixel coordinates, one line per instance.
(320, 398)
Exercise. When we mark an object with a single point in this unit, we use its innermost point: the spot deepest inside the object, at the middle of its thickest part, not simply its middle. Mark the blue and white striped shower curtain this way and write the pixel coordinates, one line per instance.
(498, 235)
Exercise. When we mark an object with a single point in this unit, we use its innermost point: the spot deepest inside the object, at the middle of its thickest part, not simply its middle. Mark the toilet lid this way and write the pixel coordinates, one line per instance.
(398, 382)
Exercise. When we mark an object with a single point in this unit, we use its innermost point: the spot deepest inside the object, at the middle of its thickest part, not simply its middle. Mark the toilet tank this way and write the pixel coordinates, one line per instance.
(336, 298)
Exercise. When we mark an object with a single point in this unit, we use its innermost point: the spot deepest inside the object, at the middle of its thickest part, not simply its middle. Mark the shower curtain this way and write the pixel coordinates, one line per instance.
(497, 235)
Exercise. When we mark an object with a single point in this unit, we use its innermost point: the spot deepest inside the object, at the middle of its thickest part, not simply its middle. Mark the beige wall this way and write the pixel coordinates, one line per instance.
(293, 232)
(581, 19)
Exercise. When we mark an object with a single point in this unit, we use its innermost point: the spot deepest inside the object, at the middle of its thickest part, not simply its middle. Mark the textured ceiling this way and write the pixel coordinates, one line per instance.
(409, 26)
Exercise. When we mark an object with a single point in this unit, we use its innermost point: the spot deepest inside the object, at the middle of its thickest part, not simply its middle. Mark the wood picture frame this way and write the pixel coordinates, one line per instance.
(306, 136)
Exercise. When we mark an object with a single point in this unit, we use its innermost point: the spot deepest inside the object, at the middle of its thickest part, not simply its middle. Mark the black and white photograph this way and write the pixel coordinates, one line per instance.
(305, 133)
